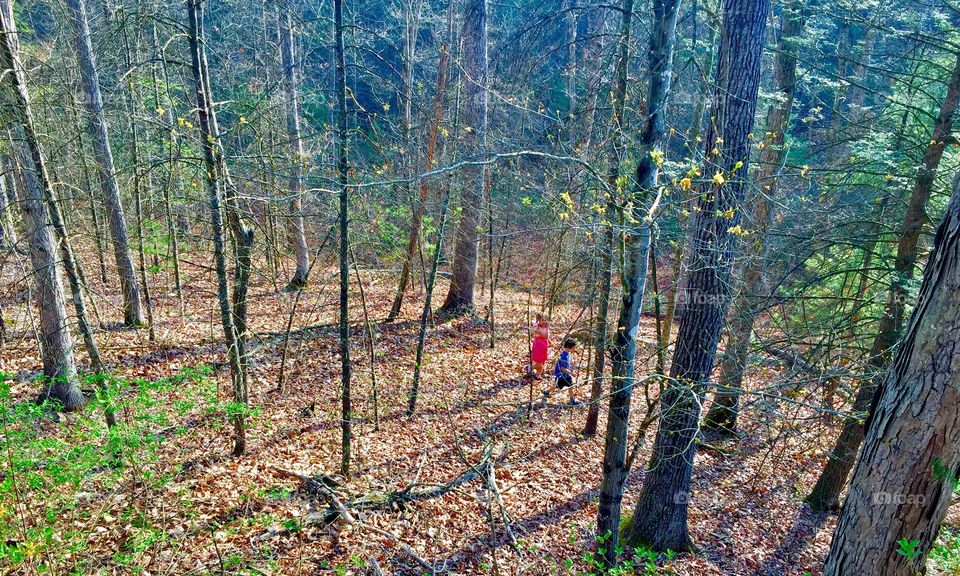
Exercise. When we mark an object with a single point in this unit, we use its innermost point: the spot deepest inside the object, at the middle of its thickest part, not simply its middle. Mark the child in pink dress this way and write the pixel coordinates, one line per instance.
(540, 350)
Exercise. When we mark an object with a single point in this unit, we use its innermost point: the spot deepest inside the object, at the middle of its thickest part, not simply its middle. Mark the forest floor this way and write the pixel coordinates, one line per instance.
(181, 504)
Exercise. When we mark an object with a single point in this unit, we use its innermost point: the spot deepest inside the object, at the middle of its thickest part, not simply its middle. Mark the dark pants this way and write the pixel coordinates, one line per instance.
(564, 381)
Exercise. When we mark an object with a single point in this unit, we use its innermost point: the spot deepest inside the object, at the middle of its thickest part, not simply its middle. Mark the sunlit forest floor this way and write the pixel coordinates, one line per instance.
(179, 503)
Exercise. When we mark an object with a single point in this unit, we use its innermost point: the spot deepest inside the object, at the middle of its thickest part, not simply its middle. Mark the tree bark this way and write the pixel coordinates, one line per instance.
(905, 479)
(748, 302)
(660, 518)
(291, 87)
(56, 343)
(344, 198)
(233, 310)
(460, 297)
(636, 259)
(93, 101)
(826, 492)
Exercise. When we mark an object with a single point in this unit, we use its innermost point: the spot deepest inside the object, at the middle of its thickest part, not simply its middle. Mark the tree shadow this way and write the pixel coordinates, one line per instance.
(806, 523)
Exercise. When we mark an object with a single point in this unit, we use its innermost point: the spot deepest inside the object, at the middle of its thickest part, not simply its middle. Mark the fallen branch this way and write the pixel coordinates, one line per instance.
(321, 488)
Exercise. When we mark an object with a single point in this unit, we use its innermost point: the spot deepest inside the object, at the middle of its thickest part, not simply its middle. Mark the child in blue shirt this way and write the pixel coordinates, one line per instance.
(564, 370)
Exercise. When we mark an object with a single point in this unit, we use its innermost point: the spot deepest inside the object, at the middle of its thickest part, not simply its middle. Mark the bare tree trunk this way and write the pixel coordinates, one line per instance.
(132, 312)
(905, 480)
(460, 297)
(137, 179)
(56, 343)
(344, 197)
(416, 224)
(677, 273)
(232, 310)
(636, 260)
(7, 230)
(660, 518)
(826, 493)
(606, 247)
(425, 314)
(747, 303)
(291, 86)
(170, 143)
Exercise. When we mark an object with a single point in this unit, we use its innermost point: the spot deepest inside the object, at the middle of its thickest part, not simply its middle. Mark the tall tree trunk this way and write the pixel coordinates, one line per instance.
(747, 303)
(417, 222)
(660, 518)
(233, 310)
(132, 312)
(826, 493)
(460, 297)
(169, 143)
(677, 273)
(906, 476)
(606, 248)
(137, 177)
(291, 87)
(636, 259)
(56, 343)
(346, 418)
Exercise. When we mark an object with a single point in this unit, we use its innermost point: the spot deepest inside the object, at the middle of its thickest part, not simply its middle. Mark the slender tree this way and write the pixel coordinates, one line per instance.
(346, 418)
(636, 260)
(93, 101)
(905, 479)
(460, 297)
(56, 343)
(660, 518)
(233, 310)
(291, 87)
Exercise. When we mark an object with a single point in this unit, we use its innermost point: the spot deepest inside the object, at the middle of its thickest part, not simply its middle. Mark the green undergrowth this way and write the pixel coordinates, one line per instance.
(70, 487)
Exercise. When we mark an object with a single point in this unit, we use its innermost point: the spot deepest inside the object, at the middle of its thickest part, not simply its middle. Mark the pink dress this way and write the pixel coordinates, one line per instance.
(541, 349)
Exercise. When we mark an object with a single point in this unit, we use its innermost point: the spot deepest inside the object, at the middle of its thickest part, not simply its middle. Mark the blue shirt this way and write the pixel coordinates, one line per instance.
(562, 362)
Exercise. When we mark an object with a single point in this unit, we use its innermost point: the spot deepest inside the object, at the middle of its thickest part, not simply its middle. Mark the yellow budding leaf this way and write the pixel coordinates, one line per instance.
(718, 179)
(738, 231)
(685, 183)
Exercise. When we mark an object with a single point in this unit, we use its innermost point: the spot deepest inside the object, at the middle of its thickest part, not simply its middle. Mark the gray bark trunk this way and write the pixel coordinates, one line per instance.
(93, 101)
(291, 86)
(56, 343)
(636, 260)
(460, 297)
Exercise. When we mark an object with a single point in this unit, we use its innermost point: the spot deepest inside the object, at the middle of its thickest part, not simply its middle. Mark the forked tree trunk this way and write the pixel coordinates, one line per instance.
(906, 476)
(233, 311)
(460, 297)
(56, 343)
(636, 260)
(93, 101)
(826, 492)
(660, 518)
(291, 87)
(747, 303)
(346, 417)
